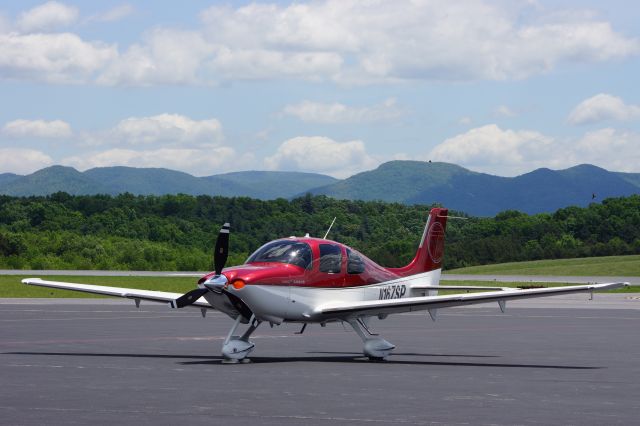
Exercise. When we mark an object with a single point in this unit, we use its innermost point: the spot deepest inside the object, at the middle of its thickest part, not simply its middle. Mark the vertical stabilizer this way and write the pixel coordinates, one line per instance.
(431, 249)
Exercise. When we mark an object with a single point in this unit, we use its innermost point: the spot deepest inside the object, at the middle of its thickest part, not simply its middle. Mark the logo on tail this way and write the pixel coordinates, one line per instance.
(436, 242)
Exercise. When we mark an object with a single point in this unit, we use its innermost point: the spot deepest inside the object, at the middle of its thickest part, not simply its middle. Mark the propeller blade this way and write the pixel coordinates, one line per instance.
(220, 256)
(188, 298)
(239, 305)
(221, 252)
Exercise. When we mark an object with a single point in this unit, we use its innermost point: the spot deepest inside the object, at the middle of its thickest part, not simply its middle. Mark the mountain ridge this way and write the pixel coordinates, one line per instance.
(402, 181)
(158, 181)
(482, 194)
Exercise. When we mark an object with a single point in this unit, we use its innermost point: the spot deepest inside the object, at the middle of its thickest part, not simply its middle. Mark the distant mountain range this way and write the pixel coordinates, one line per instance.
(480, 194)
(408, 182)
(116, 180)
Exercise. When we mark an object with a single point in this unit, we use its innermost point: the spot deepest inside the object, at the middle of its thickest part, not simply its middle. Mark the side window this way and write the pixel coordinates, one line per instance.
(304, 258)
(355, 265)
(330, 258)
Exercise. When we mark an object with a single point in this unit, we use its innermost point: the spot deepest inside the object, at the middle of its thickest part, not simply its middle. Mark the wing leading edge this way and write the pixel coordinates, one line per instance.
(129, 293)
(391, 306)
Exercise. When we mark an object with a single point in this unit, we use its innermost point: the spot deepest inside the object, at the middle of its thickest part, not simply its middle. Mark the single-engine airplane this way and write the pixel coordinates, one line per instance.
(314, 280)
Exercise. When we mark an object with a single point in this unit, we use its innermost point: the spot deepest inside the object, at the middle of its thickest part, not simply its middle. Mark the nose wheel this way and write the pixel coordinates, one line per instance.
(235, 349)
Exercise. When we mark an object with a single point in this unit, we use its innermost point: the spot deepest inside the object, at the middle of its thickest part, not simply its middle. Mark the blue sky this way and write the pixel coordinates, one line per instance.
(334, 87)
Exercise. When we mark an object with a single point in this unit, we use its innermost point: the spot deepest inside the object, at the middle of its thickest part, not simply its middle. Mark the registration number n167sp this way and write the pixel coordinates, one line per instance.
(393, 291)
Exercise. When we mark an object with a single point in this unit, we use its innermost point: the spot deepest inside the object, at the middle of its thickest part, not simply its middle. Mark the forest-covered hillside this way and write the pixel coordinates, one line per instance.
(157, 181)
(481, 194)
(177, 232)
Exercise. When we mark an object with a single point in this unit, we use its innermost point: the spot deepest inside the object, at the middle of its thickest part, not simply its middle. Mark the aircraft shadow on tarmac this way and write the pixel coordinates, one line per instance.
(359, 354)
(348, 357)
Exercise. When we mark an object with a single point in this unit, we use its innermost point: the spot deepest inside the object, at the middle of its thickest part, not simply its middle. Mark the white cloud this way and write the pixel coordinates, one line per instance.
(115, 14)
(314, 112)
(322, 155)
(345, 41)
(493, 150)
(200, 162)
(252, 64)
(23, 161)
(507, 152)
(37, 129)
(608, 148)
(404, 40)
(167, 129)
(46, 17)
(165, 56)
(318, 26)
(166, 140)
(57, 58)
(603, 107)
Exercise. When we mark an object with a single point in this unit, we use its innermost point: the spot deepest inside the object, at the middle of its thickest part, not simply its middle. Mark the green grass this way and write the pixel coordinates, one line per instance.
(622, 266)
(11, 286)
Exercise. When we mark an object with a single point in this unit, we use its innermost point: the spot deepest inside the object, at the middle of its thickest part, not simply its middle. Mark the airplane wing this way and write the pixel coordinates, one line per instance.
(391, 306)
(129, 293)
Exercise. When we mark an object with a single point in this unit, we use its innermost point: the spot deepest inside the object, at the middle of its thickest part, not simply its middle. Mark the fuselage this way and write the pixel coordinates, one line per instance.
(289, 279)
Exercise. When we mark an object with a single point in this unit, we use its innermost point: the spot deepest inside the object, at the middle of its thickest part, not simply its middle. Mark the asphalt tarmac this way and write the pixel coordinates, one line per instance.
(103, 362)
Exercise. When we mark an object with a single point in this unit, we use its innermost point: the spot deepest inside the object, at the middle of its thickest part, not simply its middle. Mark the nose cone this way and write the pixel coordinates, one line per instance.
(216, 283)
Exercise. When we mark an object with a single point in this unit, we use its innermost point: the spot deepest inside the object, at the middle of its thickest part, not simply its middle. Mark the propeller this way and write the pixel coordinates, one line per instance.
(188, 298)
(215, 283)
(221, 252)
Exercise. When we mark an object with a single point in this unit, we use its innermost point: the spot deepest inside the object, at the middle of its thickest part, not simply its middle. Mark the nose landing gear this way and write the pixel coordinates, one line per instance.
(236, 348)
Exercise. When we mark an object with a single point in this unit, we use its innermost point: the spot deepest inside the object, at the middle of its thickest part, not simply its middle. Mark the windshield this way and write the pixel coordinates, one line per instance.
(283, 251)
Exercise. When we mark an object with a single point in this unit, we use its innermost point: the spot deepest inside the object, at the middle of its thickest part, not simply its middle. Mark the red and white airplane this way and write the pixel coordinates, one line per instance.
(312, 280)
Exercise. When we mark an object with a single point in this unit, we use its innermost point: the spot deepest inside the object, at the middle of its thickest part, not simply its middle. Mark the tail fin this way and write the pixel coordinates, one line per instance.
(431, 249)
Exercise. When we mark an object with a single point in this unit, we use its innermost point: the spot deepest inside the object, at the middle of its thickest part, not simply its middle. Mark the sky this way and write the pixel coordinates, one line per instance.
(334, 87)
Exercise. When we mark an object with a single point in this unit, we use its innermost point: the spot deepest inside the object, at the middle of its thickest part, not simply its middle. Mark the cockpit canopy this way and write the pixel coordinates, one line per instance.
(284, 251)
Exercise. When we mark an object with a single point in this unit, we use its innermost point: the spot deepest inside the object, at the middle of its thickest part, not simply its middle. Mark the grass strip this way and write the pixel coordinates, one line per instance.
(619, 266)
(11, 285)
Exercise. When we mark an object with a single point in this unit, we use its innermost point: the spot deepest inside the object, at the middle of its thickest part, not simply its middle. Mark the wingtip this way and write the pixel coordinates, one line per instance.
(614, 285)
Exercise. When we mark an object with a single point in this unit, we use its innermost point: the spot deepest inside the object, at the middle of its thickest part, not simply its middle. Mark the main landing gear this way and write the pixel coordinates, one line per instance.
(236, 348)
(375, 347)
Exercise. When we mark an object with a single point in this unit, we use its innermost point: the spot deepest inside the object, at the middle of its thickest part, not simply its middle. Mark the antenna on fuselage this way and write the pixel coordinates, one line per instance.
(327, 233)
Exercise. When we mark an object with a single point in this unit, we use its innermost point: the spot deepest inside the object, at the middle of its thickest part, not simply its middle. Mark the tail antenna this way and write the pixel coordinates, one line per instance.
(330, 226)
(453, 217)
